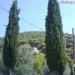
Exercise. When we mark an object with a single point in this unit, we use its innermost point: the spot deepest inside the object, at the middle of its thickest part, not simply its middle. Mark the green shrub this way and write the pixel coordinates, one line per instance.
(39, 63)
(25, 61)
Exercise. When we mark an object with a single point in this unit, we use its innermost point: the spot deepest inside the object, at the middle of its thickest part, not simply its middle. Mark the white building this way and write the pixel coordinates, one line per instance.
(35, 50)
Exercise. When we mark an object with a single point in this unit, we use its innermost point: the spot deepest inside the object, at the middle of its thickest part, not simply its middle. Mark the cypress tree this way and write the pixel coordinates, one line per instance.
(54, 39)
(10, 49)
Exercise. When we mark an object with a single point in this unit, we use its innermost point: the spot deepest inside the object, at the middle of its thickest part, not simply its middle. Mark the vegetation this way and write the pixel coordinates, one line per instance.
(25, 53)
(33, 38)
(10, 48)
(16, 49)
(40, 63)
(54, 39)
(24, 64)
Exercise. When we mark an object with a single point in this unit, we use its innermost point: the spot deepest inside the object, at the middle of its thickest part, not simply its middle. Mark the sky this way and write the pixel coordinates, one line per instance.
(35, 11)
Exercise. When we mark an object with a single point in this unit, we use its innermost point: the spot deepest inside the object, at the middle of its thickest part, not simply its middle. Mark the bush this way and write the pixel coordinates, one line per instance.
(40, 63)
(1, 64)
(25, 61)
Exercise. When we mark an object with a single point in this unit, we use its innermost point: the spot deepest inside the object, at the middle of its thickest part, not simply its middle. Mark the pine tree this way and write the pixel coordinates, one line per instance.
(54, 39)
(10, 49)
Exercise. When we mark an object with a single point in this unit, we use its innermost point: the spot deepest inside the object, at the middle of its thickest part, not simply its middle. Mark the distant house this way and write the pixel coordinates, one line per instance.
(69, 40)
(70, 43)
(35, 50)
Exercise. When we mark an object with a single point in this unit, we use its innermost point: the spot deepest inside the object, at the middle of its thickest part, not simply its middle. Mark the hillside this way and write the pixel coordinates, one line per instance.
(36, 38)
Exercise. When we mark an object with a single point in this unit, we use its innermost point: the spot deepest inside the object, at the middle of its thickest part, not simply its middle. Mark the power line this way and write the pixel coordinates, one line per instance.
(31, 23)
(4, 9)
(26, 21)
(23, 19)
(3, 25)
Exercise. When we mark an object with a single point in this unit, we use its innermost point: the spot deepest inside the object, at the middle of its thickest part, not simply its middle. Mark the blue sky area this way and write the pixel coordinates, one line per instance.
(35, 11)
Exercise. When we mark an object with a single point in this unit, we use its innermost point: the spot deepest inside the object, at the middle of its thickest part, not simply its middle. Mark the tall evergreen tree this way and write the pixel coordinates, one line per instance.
(54, 38)
(10, 50)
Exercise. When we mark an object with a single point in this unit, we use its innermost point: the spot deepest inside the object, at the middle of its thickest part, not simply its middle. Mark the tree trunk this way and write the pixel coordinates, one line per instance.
(8, 71)
(54, 73)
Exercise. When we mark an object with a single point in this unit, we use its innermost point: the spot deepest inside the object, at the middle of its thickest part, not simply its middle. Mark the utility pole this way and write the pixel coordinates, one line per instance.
(73, 39)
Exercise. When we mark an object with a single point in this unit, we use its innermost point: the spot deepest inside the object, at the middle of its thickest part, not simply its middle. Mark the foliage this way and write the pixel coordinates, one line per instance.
(25, 61)
(69, 60)
(54, 38)
(29, 64)
(10, 48)
(1, 64)
(1, 44)
(39, 63)
(32, 38)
